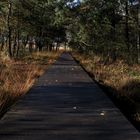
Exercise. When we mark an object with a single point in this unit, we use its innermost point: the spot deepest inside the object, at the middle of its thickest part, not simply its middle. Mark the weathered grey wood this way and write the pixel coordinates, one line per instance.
(65, 104)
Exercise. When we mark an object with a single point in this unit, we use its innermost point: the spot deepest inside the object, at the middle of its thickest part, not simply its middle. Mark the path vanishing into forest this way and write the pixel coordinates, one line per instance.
(66, 104)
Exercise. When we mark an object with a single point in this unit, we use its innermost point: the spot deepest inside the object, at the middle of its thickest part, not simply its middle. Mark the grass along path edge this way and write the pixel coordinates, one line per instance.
(18, 76)
(119, 80)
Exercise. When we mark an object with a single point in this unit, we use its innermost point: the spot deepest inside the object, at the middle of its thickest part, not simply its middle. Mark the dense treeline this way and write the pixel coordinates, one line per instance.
(109, 28)
(31, 24)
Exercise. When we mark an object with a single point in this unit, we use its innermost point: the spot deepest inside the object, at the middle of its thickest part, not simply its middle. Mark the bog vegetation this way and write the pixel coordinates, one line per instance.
(103, 34)
(18, 76)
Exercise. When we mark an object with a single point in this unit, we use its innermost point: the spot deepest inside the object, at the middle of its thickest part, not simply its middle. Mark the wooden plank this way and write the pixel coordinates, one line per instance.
(65, 104)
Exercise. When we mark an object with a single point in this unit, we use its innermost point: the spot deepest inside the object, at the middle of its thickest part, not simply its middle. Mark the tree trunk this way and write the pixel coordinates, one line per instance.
(113, 36)
(138, 36)
(31, 46)
(14, 45)
(127, 28)
(2, 44)
(9, 29)
(18, 34)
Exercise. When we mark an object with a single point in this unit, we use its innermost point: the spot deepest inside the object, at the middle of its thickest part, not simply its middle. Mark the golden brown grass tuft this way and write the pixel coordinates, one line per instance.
(114, 74)
(18, 76)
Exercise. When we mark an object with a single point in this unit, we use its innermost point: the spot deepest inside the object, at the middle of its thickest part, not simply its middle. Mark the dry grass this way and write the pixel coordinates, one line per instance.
(17, 76)
(114, 75)
(121, 77)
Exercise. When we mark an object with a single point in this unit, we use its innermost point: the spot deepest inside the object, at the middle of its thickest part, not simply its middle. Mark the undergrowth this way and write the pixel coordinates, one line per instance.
(123, 80)
(18, 76)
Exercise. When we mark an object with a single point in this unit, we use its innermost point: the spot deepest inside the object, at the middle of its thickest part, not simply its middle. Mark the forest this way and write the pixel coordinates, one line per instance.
(109, 28)
(104, 36)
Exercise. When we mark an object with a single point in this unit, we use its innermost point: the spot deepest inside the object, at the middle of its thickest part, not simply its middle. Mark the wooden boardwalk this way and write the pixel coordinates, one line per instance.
(65, 104)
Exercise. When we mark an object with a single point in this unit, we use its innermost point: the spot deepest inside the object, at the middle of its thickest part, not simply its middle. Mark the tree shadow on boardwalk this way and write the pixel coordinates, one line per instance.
(127, 100)
(80, 111)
